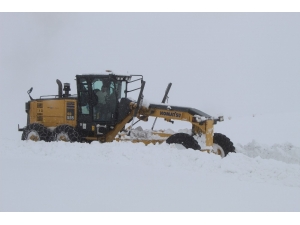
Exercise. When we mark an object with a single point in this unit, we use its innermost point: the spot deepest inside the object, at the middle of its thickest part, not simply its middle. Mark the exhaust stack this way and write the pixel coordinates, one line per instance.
(59, 88)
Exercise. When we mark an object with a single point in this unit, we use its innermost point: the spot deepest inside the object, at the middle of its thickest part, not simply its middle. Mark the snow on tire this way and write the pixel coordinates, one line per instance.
(66, 133)
(185, 139)
(222, 145)
(36, 132)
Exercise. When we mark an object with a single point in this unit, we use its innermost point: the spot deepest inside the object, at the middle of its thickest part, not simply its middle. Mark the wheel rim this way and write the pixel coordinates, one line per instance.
(62, 137)
(33, 136)
(218, 150)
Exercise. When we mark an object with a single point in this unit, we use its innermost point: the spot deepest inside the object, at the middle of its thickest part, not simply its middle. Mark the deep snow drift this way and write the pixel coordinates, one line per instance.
(117, 176)
(263, 174)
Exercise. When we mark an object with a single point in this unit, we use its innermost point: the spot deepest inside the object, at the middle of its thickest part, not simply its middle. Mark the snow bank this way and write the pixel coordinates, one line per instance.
(275, 164)
(280, 152)
(123, 176)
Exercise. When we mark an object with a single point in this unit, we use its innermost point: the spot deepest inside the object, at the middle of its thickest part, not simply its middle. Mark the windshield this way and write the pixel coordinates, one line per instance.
(106, 92)
(98, 96)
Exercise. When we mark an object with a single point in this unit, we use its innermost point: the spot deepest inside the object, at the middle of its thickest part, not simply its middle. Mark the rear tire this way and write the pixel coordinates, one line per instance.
(66, 133)
(185, 139)
(36, 132)
(222, 145)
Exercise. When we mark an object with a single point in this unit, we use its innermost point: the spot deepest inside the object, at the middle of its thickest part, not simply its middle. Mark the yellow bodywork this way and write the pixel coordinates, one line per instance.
(53, 112)
(206, 127)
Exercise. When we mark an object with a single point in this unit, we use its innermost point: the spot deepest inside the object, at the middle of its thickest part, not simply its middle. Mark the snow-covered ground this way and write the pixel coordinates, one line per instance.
(123, 176)
(240, 66)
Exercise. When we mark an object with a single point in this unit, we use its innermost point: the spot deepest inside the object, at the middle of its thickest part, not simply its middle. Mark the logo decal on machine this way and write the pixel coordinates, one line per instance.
(172, 114)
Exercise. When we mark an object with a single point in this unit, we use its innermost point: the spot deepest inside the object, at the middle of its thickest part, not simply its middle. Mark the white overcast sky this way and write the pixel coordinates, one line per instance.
(232, 64)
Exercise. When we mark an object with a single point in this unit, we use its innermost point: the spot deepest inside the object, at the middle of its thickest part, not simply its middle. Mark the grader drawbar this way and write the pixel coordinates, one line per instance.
(101, 109)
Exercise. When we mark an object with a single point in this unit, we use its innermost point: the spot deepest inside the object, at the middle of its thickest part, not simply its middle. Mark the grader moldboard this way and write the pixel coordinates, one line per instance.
(101, 109)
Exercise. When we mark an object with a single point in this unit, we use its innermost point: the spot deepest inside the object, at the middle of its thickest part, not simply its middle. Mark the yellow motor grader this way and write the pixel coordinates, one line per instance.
(101, 109)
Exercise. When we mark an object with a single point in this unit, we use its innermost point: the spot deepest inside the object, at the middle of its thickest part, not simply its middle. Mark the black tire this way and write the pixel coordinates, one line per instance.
(222, 145)
(185, 139)
(66, 133)
(36, 132)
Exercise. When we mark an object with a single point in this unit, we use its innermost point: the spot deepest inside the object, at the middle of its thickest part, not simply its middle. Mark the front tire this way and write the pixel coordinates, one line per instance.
(66, 133)
(36, 132)
(185, 139)
(222, 145)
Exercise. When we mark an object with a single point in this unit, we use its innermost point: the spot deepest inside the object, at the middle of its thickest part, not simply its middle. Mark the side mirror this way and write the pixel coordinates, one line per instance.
(29, 91)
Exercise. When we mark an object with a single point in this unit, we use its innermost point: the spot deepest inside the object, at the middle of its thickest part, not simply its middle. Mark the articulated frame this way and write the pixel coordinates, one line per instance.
(204, 127)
